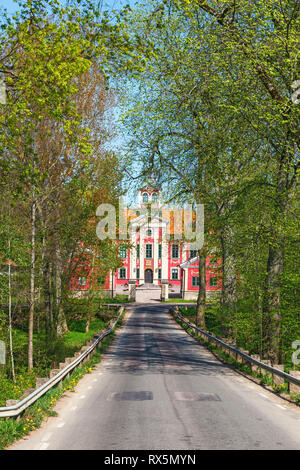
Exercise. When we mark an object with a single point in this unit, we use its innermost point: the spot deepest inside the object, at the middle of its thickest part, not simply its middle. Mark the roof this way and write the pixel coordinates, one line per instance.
(7, 262)
(167, 217)
(149, 187)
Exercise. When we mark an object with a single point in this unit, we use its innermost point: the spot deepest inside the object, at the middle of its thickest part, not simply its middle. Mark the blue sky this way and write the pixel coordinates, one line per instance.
(12, 6)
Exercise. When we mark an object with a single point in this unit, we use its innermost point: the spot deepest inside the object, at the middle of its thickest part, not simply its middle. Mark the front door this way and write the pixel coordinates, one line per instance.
(148, 276)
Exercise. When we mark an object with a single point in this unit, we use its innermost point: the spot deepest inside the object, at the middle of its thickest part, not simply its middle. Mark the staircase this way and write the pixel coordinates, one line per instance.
(147, 293)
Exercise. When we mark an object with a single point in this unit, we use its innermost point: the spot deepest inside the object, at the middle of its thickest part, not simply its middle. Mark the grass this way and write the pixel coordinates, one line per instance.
(76, 337)
(118, 299)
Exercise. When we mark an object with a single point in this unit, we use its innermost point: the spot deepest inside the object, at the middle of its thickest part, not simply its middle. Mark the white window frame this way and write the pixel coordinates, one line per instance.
(178, 253)
(173, 271)
(122, 269)
(80, 279)
(147, 257)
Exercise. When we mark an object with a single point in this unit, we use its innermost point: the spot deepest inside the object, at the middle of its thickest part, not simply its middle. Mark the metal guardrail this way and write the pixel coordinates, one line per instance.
(18, 408)
(250, 359)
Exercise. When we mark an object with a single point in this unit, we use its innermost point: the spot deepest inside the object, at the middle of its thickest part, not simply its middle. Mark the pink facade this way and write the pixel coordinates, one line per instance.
(213, 275)
(86, 277)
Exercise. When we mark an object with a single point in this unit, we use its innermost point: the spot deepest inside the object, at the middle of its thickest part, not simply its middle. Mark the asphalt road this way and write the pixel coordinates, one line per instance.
(156, 388)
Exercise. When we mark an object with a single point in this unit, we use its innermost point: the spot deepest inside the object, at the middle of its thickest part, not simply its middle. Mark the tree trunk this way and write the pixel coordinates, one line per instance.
(271, 308)
(61, 325)
(228, 297)
(32, 286)
(90, 295)
(201, 300)
(10, 316)
(272, 317)
(48, 305)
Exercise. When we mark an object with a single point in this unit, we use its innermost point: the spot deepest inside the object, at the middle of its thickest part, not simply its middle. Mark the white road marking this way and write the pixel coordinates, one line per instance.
(263, 395)
(90, 387)
(74, 408)
(280, 406)
(47, 436)
(44, 446)
(60, 425)
(82, 397)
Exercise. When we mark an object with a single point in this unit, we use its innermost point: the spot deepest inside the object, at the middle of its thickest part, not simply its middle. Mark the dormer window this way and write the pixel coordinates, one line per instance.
(149, 232)
(145, 198)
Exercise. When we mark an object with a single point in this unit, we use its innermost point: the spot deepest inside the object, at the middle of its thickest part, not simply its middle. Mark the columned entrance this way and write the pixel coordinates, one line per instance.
(148, 276)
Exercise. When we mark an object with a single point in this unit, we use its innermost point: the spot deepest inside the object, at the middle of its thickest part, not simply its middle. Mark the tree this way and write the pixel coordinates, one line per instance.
(46, 142)
(215, 112)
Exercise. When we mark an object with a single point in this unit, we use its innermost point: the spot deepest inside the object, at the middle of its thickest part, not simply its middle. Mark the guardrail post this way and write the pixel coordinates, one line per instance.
(11, 402)
(232, 354)
(276, 378)
(293, 387)
(238, 357)
(244, 360)
(223, 348)
(198, 333)
(54, 372)
(268, 363)
(254, 367)
(40, 381)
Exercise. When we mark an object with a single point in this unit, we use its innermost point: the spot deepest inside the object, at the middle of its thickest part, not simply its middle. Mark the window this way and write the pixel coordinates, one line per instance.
(148, 251)
(154, 197)
(149, 232)
(213, 261)
(213, 282)
(82, 281)
(159, 251)
(137, 273)
(175, 251)
(123, 252)
(195, 281)
(193, 253)
(145, 197)
(137, 251)
(174, 275)
(100, 281)
(159, 273)
(122, 273)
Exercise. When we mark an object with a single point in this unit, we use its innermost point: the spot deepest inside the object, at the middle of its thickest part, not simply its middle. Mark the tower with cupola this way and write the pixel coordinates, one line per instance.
(149, 193)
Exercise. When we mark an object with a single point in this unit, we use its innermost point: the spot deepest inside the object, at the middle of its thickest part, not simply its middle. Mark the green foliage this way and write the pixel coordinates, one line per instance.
(213, 113)
(13, 391)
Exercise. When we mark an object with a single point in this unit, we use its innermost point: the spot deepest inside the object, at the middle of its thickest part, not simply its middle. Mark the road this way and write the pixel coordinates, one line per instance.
(156, 388)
